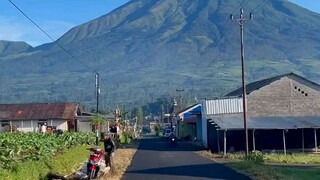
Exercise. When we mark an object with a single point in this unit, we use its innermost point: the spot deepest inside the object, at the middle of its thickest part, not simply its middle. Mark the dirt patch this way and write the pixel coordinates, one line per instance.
(121, 160)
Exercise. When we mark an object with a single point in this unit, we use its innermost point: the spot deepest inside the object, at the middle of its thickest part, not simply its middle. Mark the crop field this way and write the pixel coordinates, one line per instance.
(21, 147)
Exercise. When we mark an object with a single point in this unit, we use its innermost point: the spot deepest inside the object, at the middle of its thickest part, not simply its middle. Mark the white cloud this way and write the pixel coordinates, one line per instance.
(14, 30)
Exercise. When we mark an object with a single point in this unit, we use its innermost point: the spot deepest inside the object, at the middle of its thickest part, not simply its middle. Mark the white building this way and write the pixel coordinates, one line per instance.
(30, 117)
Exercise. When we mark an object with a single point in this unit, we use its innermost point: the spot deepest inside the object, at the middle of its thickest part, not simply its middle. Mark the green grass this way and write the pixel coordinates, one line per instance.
(262, 171)
(63, 164)
(277, 166)
(295, 158)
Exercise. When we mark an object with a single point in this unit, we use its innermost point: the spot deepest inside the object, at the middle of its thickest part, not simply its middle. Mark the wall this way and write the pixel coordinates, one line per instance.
(285, 97)
(199, 128)
(32, 125)
(204, 124)
(186, 129)
(84, 126)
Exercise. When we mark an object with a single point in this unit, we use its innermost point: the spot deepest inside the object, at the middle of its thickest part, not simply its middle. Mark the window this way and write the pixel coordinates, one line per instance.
(41, 122)
(5, 123)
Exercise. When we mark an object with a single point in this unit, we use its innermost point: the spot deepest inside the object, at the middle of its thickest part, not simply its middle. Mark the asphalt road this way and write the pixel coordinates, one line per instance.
(155, 160)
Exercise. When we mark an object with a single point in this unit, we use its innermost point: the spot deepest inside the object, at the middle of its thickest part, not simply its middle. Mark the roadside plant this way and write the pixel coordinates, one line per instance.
(20, 147)
(256, 156)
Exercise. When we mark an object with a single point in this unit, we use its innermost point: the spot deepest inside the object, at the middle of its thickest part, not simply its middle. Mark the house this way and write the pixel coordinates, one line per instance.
(210, 110)
(30, 117)
(84, 122)
(189, 123)
(282, 112)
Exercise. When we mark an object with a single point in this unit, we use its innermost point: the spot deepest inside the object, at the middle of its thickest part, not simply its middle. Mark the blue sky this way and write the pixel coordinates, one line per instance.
(56, 17)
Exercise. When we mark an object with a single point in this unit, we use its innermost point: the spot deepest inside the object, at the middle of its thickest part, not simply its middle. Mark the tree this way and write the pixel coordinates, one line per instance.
(139, 116)
(97, 120)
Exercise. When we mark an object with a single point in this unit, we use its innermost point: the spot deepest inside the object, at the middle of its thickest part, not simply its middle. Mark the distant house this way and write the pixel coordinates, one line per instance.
(283, 112)
(189, 122)
(30, 117)
(83, 121)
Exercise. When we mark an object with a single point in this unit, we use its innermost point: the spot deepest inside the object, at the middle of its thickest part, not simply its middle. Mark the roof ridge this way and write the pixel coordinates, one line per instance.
(263, 82)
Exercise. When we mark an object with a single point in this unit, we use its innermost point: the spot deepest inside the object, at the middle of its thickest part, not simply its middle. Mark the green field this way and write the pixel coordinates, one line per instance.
(35, 155)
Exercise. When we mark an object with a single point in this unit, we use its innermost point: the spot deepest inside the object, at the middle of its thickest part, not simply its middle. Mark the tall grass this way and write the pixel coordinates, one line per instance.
(296, 158)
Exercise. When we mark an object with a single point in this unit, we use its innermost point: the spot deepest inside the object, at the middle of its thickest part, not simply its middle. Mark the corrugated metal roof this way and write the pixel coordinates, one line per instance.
(235, 122)
(223, 106)
(187, 110)
(259, 84)
(38, 111)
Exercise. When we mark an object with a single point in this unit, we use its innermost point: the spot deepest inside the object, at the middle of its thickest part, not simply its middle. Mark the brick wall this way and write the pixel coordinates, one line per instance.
(285, 97)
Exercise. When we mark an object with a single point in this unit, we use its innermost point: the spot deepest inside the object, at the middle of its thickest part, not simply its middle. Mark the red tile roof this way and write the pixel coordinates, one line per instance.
(38, 111)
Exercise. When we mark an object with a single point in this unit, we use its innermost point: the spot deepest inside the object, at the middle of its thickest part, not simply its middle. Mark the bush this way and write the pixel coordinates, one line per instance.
(125, 139)
(256, 156)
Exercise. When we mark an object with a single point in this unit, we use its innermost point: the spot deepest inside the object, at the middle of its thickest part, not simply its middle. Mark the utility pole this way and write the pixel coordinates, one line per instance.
(97, 91)
(180, 90)
(241, 22)
(97, 109)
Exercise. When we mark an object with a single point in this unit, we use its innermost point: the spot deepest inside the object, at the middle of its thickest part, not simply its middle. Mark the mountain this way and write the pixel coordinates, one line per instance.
(10, 47)
(146, 49)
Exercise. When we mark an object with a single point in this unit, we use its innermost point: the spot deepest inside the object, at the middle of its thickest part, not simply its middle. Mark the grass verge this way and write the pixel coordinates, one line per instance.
(270, 171)
(63, 164)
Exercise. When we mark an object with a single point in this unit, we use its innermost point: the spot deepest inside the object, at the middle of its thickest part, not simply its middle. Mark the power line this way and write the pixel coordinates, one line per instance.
(59, 45)
(261, 5)
(243, 3)
(228, 42)
(64, 49)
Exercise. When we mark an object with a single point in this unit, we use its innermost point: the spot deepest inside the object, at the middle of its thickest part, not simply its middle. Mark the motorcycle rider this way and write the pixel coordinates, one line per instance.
(109, 147)
(173, 139)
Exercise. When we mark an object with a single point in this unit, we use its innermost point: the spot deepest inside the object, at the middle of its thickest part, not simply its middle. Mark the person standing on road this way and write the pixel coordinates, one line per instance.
(109, 147)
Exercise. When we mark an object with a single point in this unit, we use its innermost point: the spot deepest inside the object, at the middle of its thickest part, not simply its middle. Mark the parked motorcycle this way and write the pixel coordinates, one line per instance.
(95, 162)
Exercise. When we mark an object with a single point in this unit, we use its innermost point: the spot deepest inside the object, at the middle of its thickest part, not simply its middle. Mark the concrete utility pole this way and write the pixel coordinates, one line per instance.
(97, 91)
(180, 90)
(241, 22)
(97, 110)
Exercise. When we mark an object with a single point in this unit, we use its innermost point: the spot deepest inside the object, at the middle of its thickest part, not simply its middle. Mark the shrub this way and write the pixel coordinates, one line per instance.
(125, 138)
(256, 156)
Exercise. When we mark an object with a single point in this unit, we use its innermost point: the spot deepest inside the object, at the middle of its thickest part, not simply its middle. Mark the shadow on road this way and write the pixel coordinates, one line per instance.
(216, 171)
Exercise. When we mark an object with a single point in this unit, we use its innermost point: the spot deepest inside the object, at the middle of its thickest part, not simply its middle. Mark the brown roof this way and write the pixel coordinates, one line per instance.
(38, 111)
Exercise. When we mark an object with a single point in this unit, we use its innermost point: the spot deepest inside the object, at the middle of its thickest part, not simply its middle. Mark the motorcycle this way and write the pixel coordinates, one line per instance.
(95, 162)
(172, 141)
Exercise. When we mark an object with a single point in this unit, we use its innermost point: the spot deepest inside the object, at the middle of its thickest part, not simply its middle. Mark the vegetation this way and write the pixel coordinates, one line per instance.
(21, 147)
(139, 116)
(270, 166)
(62, 164)
(295, 158)
(98, 121)
(262, 171)
(158, 130)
